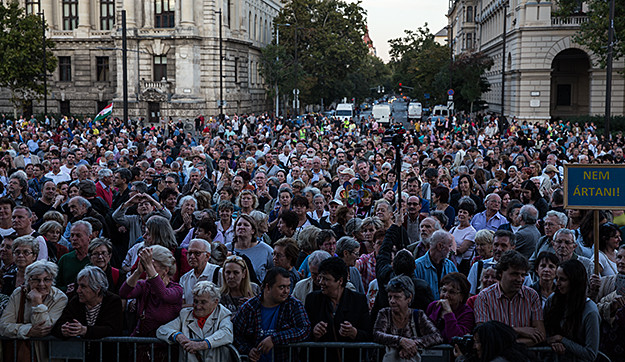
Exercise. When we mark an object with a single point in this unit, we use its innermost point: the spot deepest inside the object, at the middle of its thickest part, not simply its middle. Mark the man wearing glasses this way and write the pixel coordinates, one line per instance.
(25, 157)
(198, 254)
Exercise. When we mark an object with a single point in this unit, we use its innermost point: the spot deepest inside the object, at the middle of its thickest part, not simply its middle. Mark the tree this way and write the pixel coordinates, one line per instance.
(468, 78)
(593, 33)
(416, 61)
(21, 46)
(325, 39)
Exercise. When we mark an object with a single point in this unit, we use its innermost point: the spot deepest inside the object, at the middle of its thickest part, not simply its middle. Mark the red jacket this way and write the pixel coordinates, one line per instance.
(106, 195)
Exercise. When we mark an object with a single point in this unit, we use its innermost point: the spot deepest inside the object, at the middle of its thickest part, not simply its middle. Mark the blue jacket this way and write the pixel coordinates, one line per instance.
(427, 271)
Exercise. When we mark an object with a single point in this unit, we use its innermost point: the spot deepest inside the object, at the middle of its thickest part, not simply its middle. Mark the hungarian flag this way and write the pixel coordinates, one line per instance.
(104, 113)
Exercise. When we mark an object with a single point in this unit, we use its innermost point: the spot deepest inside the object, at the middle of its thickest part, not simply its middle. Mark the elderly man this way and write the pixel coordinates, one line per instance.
(434, 265)
(490, 218)
(80, 209)
(72, 263)
(22, 222)
(427, 227)
(103, 187)
(503, 241)
(527, 236)
(196, 183)
(310, 284)
(198, 254)
(564, 246)
(554, 221)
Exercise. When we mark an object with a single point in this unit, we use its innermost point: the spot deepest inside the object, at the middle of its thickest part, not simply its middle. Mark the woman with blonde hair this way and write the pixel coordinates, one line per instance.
(236, 287)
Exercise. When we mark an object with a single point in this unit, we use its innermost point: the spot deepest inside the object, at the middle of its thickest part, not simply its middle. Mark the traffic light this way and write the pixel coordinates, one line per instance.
(399, 87)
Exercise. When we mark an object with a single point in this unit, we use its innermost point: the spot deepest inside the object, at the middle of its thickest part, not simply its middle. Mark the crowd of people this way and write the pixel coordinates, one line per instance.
(249, 234)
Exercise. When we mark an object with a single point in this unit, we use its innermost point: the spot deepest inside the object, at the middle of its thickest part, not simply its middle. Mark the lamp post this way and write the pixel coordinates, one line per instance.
(45, 63)
(608, 83)
(124, 67)
(503, 59)
(221, 69)
(277, 59)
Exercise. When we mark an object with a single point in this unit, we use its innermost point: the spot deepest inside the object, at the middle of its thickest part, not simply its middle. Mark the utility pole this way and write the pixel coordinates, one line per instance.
(503, 59)
(608, 83)
(124, 67)
(45, 64)
(221, 70)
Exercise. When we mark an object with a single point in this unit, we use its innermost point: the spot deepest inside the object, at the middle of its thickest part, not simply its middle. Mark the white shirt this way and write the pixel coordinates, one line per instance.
(57, 178)
(188, 281)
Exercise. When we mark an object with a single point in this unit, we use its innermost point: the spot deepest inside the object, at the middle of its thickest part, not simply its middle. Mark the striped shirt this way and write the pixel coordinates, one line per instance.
(520, 311)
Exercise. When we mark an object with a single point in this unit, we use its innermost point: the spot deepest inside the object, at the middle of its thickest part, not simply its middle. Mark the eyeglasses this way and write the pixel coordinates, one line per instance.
(103, 254)
(22, 252)
(195, 253)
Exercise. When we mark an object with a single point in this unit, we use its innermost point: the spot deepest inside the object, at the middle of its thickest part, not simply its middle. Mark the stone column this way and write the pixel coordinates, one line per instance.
(84, 21)
(187, 7)
(48, 10)
(131, 13)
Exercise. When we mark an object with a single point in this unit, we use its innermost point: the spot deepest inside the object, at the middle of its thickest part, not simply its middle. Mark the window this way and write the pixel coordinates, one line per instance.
(102, 69)
(64, 108)
(236, 70)
(107, 14)
(65, 69)
(470, 41)
(32, 7)
(70, 14)
(469, 14)
(249, 25)
(228, 15)
(160, 67)
(164, 11)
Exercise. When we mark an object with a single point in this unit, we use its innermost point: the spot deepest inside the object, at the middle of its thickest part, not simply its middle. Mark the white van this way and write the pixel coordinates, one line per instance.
(382, 113)
(415, 111)
(344, 111)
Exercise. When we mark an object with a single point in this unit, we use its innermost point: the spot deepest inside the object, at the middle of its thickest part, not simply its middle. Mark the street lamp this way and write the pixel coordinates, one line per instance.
(608, 83)
(221, 69)
(45, 63)
(277, 59)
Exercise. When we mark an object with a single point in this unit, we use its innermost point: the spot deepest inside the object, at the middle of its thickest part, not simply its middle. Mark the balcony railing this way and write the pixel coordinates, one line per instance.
(569, 21)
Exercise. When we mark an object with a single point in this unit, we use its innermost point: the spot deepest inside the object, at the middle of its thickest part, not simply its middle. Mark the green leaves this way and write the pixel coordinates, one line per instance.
(21, 68)
(326, 38)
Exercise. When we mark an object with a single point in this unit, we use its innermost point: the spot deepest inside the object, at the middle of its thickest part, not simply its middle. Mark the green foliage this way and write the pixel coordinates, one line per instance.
(330, 51)
(21, 69)
(417, 60)
(593, 34)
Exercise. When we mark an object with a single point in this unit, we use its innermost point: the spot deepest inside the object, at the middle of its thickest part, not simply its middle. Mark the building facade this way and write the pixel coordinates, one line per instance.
(173, 60)
(543, 74)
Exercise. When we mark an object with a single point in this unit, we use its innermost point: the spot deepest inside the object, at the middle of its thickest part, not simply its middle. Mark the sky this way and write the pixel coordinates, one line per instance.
(387, 19)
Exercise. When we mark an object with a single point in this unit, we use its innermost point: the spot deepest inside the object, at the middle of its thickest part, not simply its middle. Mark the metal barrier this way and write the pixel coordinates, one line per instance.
(131, 349)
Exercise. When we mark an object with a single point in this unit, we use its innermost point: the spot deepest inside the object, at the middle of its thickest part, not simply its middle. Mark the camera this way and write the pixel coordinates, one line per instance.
(395, 135)
(465, 343)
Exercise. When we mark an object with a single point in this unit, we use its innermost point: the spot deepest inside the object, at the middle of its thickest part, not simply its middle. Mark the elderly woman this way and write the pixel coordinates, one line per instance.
(236, 287)
(93, 313)
(51, 232)
(310, 284)
(158, 231)
(182, 221)
(247, 201)
(348, 249)
(100, 252)
(25, 251)
(450, 313)
(401, 329)
(33, 308)
(206, 320)
(159, 299)
(488, 277)
(263, 225)
(336, 313)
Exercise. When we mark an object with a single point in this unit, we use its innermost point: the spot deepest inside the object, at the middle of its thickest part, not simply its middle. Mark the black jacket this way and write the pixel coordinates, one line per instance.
(384, 273)
(352, 308)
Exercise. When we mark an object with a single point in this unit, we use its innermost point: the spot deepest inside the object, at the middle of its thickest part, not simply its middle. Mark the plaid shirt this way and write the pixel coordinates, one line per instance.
(366, 267)
(292, 326)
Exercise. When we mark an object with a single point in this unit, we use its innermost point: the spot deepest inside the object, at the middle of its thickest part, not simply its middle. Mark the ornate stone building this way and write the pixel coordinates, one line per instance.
(173, 55)
(546, 73)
